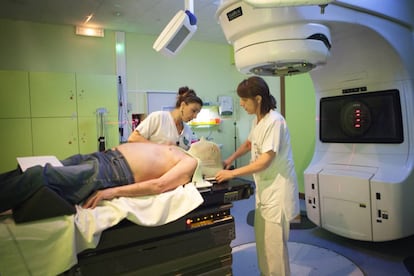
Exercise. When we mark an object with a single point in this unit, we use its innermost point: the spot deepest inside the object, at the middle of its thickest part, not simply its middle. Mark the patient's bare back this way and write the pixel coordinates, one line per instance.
(149, 160)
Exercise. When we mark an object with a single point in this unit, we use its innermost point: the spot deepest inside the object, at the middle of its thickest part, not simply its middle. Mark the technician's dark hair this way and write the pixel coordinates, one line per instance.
(256, 86)
(188, 96)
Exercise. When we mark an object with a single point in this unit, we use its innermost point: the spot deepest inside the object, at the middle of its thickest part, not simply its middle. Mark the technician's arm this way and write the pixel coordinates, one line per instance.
(242, 150)
(137, 137)
(261, 163)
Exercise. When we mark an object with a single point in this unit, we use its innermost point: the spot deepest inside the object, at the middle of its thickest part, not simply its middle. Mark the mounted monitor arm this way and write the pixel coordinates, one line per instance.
(177, 33)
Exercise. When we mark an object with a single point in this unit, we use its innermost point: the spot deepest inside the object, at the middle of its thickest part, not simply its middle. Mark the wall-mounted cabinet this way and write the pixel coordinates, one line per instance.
(89, 134)
(52, 94)
(49, 113)
(14, 94)
(15, 140)
(96, 91)
(55, 136)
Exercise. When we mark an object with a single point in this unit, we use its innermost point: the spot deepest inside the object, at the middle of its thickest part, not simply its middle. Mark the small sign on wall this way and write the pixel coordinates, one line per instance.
(225, 105)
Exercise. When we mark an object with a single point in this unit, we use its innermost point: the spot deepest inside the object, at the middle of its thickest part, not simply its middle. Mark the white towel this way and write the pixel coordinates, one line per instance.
(145, 210)
(49, 247)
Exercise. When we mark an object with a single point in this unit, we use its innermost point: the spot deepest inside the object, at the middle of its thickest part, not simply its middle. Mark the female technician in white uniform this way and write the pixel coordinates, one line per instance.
(277, 197)
(169, 127)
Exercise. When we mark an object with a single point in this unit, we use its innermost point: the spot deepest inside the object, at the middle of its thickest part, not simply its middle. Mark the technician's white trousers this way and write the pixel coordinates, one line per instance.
(272, 246)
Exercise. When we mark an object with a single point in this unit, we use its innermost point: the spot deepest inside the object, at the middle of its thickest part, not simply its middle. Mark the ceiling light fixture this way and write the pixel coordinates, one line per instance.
(86, 31)
(88, 18)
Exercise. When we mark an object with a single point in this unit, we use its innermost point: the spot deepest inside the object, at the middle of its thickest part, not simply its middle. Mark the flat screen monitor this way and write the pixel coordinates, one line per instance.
(373, 117)
(176, 34)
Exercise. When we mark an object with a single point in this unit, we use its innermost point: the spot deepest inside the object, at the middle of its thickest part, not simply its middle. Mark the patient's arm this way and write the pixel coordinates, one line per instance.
(179, 174)
(7, 212)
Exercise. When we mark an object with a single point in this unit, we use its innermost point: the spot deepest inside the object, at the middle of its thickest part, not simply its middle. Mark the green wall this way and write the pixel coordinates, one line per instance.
(208, 68)
(54, 48)
(300, 116)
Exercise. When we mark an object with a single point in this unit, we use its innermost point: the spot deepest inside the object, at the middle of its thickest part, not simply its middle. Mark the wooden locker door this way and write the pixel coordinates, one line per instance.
(52, 94)
(96, 91)
(55, 136)
(89, 133)
(14, 94)
(16, 141)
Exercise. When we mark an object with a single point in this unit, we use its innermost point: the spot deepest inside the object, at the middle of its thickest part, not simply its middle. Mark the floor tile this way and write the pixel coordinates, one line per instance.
(305, 260)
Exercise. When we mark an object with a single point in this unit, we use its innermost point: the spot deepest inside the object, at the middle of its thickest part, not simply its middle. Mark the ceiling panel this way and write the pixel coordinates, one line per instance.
(138, 16)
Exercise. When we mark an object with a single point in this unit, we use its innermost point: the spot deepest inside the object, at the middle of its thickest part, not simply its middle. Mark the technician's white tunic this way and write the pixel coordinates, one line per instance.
(277, 197)
(277, 189)
(159, 127)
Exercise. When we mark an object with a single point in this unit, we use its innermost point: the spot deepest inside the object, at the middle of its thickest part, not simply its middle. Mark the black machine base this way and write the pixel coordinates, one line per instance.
(203, 250)
(196, 244)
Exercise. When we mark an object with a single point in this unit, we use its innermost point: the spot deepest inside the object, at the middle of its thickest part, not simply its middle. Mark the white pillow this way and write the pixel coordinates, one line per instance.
(210, 156)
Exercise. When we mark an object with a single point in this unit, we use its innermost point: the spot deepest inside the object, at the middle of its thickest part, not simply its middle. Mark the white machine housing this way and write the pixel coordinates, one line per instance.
(265, 48)
(361, 191)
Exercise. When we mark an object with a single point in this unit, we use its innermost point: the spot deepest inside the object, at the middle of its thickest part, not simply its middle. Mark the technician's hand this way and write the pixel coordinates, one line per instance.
(224, 175)
(227, 164)
(98, 196)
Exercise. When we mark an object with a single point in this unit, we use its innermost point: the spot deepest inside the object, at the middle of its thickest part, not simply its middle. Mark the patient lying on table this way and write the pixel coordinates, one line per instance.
(129, 170)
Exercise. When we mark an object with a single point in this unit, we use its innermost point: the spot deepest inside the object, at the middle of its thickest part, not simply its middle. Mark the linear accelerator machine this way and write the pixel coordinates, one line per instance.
(360, 181)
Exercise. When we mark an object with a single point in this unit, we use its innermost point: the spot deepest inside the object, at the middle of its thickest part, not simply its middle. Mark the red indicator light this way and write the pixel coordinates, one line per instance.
(357, 125)
(188, 221)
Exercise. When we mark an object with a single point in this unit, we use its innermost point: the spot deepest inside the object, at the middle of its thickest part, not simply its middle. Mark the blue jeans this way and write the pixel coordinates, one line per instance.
(80, 176)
